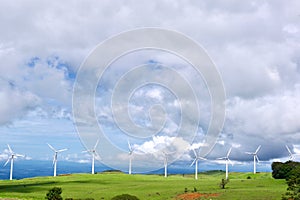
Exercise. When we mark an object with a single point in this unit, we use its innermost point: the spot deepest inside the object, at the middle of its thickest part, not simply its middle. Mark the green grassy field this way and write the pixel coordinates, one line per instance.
(106, 185)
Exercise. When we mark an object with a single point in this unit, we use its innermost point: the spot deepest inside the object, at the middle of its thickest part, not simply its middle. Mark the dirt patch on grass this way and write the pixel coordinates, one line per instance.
(65, 175)
(196, 195)
(7, 199)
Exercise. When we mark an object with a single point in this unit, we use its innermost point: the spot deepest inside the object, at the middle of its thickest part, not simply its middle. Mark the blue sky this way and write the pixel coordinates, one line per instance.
(255, 46)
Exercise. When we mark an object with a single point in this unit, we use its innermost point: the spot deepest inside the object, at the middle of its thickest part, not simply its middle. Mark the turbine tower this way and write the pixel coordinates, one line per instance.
(227, 160)
(166, 162)
(55, 157)
(197, 158)
(290, 153)
(94, 154)
(255, 157)
(11, 160)
(130, 156)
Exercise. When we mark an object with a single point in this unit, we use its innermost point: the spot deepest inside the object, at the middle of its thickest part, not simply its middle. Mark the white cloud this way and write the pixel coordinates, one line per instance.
(16, 103)
(255, 45)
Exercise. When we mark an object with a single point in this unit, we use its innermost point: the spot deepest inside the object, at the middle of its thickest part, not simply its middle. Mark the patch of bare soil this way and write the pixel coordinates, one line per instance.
(196, 195)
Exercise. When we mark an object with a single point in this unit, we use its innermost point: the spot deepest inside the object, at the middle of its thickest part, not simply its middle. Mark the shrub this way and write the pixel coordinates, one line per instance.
(125, 197)
(54, 194)
(185, 190)
(223, 183)
(284, 170)
(293, 190)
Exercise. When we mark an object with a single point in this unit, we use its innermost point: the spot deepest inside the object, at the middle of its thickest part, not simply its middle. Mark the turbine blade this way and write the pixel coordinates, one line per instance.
(288, 150)
(195, 153)
(257, 158)
(193, 162)
(166, 161)
(228, 153)
(97, 156)
(20, 155)
(129, 145)
(10, 151)
(51, 147)
(96, 144)
(202, 158)
(230, 162)
(62, 150)
(258, 148)
(54, 158)
(7, 162)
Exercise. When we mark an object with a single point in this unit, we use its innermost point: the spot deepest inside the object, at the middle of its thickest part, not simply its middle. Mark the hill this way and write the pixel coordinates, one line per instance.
(106, 185)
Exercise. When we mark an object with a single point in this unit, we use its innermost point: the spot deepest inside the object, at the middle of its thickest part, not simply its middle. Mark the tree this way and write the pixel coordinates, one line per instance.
(54, 194)
(223, 183)
(125, 197)
(284, 170)
(293, 190)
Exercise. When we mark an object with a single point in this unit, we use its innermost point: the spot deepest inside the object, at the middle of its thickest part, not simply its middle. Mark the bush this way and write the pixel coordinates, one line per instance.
(284, 170)
(293, 190)
(54, 194)
(223, 183)
(125, 197)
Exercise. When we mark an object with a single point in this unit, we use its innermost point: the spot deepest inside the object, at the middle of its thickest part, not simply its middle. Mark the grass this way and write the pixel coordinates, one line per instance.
(106, 185)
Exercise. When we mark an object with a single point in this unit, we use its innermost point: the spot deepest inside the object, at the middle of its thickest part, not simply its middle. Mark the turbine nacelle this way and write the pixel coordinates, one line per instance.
(55, 156)
(94, 155)
(11, 160)
(195, 161)
(197, 157)
(291, 155)
(255, 157)
(254, 154)
(226, 158)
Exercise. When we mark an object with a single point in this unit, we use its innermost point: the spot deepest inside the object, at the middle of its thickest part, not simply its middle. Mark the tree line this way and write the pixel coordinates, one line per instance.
(290, 171)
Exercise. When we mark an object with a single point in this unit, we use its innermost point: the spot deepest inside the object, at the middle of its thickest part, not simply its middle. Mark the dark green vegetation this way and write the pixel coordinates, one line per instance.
(290, 171)
(108, 185)
(54, 194)
(223, 183)
(125, 197)
(285, 170)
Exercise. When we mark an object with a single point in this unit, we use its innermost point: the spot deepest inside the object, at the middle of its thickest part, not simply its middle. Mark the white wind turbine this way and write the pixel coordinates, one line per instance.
(94, 154)
(197, 158)
(130, 156)
(166, 162)
(255, 157)
(55, 157)
(290, 153)
(11, 160)
(227, 160)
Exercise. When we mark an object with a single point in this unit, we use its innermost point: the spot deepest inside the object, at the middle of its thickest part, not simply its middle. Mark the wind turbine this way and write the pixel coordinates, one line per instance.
(227, 160)
(11, 159)
(55, 157)
(290, 153)
(255, 157)
(166, 162)
(197, 158)
(130, 156)
(94, 154)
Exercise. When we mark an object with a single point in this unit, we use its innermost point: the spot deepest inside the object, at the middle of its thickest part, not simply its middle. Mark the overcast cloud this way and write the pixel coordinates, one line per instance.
(255, 46)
